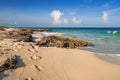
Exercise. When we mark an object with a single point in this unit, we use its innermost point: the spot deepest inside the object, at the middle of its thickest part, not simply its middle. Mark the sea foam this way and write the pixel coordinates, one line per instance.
(45, 34)
(114, 32)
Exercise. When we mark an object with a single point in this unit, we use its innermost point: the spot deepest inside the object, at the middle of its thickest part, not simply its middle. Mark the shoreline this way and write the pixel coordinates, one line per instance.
(105, 40)
(31, 62)
(51, 63)
(78, 64)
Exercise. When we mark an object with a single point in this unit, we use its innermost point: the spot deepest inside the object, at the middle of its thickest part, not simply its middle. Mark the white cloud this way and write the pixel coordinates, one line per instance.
(105, 17)
(109, 13)
(65, 21)
(56, 14)
(76, 21)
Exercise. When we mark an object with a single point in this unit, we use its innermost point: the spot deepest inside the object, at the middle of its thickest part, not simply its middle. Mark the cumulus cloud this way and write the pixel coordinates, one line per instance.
(56, 14)
(105, 17)
(76, 21)
(65, 21)
(106, 14)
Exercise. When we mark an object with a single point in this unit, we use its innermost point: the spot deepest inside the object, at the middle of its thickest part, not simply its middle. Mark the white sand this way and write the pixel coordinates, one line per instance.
(58, 64)
(64, 64)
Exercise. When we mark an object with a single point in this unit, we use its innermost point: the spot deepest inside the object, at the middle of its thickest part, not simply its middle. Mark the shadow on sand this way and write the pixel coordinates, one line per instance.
(2, 75)
(19, 64)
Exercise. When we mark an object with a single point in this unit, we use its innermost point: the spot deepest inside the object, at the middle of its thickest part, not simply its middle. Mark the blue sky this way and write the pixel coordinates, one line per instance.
(81, 13)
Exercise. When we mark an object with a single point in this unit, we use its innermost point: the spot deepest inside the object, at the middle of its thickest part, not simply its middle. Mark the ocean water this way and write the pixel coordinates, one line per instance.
(106, 40)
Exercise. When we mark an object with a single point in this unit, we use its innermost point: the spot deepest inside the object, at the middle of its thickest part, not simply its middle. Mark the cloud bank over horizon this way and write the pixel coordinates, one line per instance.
(57, 18)
(79, 13)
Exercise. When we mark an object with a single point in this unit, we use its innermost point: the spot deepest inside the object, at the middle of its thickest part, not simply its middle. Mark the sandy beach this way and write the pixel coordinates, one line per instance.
(59, 39)
(60, 64)
(52, 63)
(72, 64)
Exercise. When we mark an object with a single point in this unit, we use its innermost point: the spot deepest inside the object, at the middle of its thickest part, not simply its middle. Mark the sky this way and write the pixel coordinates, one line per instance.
(60, 13)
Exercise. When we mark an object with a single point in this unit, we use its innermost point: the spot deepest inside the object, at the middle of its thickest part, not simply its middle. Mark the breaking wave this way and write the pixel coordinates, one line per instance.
(112, 32)
(45, 34)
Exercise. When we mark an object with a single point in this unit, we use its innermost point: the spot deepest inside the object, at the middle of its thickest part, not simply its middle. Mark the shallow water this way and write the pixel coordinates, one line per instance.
(106, 40)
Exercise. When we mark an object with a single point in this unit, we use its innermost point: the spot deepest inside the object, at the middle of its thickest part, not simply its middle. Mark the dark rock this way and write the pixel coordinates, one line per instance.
(28, 38)
(31, 30)
(62, 42)
(39, 30)
(2, 28)
(20, 35)
(25, 38)
(7, 61)
(25, 31)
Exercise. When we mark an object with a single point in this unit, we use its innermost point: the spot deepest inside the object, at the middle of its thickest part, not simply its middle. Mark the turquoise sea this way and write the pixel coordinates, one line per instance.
(106, 40)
